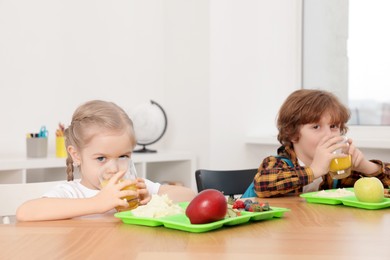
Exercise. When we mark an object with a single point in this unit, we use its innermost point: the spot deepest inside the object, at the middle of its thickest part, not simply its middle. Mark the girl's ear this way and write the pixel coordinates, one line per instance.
(74, 154)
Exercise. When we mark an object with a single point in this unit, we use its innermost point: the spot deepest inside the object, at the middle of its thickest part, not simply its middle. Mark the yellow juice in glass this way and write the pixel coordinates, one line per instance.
(132, 200)
(340, 168)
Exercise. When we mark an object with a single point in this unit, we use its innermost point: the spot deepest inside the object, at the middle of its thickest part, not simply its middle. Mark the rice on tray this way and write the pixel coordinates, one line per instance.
(335, 194)
(158, 206)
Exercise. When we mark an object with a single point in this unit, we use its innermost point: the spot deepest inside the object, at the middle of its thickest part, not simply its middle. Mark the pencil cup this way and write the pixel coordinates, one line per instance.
(36, 147)
(60, 147)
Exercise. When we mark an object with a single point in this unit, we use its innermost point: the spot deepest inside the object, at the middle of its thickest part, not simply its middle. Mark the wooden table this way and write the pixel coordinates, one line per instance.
(308, 231)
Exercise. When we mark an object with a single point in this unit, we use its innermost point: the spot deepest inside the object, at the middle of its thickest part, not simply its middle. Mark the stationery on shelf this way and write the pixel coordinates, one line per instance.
(43, 133)
(60, 142)
(36, 143)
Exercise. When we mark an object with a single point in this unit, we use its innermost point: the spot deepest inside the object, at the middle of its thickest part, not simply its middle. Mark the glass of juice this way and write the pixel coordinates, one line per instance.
(340, 167)
(118, 165)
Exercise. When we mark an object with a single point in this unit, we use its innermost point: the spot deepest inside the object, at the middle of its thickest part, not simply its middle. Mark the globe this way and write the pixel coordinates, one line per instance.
(150, 123)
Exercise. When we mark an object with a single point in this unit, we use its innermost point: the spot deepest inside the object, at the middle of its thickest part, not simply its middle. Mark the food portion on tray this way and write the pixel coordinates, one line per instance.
(345, 197)
(207, 211)
(367, 193)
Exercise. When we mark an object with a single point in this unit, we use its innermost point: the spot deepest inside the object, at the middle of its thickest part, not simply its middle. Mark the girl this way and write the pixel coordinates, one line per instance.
(99, 133)
(311, 124)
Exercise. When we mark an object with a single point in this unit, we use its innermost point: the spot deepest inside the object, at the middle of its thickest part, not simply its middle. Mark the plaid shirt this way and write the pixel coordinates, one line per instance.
(275, 177)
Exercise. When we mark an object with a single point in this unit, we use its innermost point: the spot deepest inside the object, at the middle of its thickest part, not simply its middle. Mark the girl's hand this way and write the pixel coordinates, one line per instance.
(143, 193)
(112, 194)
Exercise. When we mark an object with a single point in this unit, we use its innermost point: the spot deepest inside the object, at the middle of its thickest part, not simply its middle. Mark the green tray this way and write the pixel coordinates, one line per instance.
(181, 222)
(351, 201)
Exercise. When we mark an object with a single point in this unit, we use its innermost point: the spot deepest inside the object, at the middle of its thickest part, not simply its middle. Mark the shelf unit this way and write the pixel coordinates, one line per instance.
(163, 166)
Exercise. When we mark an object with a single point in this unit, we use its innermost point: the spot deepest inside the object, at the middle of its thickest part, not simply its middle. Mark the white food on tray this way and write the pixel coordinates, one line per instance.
(158, 206)
(335, 194)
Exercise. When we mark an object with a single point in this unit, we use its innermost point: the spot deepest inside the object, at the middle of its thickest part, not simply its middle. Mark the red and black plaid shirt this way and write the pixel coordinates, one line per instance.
(276, 177)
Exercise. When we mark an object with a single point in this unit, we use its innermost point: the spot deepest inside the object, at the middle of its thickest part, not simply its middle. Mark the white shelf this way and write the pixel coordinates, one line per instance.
(160, 167)
(31, 163)
(162, 156)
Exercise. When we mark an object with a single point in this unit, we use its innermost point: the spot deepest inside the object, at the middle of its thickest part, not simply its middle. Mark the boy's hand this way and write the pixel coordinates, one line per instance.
(356, 155)
(359, 163)
(324, 154)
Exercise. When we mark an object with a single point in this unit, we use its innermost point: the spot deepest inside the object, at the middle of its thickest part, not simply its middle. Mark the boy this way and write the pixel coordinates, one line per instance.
(311, 125)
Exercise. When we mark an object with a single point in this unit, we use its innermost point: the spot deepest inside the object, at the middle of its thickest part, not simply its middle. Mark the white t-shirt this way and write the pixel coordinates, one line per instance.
(74, 189)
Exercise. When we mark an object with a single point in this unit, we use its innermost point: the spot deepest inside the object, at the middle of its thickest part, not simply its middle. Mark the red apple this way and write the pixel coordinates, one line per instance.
(208, 206)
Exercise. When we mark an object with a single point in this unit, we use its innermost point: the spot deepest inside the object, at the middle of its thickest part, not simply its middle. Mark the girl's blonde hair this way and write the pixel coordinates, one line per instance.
(306, 106)
(91, 118)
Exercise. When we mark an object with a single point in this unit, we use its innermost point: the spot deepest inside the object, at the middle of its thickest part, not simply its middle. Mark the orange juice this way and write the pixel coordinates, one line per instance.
(340, 167)
(132, 200)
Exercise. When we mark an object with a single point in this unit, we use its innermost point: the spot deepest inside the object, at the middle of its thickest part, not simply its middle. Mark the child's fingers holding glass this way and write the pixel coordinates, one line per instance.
(140, 183)
(129, 192)
(125, 184)
(144, 196)
(108, 178)
(122, 204)
(119, 175)
(143, 191)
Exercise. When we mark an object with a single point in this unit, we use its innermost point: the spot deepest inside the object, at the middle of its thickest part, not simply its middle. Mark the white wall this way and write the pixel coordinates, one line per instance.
(325, 35)
(220, 68)
(186, 76)
(55, 55)
(255, 51)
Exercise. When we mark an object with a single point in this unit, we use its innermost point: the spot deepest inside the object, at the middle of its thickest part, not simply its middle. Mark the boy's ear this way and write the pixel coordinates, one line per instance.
(74, 154)
(295, 139)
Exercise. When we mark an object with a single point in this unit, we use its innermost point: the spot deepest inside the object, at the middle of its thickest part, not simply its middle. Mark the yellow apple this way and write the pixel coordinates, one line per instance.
(369, 189)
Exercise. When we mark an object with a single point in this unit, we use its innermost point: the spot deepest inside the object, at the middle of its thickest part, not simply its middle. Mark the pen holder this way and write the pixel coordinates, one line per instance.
(60, 147)
(36, 147)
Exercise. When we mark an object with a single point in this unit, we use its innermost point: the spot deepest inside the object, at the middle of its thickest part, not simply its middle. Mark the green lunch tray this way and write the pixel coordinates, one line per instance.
(181, 222)
(351, 201)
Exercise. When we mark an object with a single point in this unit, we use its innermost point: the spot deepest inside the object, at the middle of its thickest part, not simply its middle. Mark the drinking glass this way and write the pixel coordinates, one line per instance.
(114, 166)
(340, 167)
